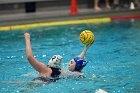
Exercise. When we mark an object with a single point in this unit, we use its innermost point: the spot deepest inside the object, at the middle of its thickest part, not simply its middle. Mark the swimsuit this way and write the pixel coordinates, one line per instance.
(54, 76)
(55, 72)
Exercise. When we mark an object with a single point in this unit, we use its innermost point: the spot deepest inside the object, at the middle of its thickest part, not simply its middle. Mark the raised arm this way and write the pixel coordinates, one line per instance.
(84, 51)
(40, 67)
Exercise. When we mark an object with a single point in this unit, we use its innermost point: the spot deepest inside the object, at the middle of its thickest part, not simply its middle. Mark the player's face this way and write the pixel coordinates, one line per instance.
(71, 65)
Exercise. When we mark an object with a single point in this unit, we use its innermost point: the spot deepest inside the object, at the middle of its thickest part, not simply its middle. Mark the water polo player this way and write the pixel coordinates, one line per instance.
(78, 63)
(46, 73)
(53, 70)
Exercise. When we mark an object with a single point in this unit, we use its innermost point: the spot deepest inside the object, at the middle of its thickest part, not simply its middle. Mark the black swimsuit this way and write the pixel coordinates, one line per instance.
(55, 72)
(55, 76)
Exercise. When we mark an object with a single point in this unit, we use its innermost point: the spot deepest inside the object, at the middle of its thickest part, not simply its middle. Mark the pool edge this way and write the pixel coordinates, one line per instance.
(92, 20)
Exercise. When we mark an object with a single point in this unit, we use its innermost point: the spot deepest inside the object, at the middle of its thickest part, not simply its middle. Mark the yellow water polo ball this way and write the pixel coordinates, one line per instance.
(87, 37)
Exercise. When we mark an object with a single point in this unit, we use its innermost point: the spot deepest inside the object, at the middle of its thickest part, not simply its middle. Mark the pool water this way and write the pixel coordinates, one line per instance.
(114, 58)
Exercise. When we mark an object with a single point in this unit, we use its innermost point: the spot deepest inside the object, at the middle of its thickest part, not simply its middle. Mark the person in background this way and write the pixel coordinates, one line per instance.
(96, 5)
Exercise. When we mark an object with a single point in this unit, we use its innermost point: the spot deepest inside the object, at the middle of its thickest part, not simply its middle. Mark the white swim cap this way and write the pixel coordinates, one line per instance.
(55, 61)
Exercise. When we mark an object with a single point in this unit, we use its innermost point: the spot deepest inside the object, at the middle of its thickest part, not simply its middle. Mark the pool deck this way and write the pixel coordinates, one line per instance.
(62, 15)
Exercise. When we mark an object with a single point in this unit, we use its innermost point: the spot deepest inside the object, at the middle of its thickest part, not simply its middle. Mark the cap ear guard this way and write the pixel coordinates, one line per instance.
(80, 63)
(55, 61)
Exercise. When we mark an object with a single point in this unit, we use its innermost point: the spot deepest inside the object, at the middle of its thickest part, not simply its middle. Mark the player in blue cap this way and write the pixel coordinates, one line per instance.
(78, 63)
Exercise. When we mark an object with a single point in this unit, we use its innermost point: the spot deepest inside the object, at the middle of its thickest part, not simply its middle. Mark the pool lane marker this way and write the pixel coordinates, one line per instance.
(27, 26)
(85, 21)
(125, 17)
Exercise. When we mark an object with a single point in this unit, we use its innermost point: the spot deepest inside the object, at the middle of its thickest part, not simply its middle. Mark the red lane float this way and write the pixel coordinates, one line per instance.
(125, 17)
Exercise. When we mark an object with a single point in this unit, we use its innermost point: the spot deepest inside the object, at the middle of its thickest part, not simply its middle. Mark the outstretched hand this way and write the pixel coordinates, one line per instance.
(27, 35)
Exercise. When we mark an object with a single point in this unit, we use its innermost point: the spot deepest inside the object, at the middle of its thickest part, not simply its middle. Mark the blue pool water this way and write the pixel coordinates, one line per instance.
(114, 58)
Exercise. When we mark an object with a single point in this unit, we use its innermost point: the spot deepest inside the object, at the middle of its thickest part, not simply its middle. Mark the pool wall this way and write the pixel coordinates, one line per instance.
(92, 20)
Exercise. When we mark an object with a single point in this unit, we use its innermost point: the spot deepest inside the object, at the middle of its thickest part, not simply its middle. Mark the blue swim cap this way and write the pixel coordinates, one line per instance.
(80, 63)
